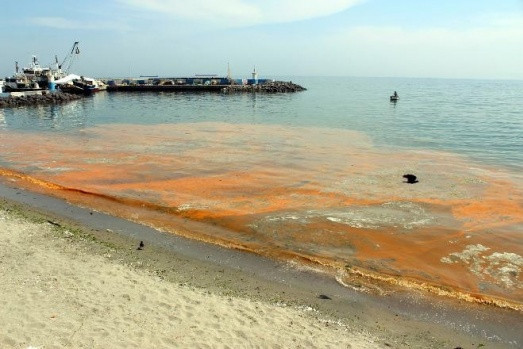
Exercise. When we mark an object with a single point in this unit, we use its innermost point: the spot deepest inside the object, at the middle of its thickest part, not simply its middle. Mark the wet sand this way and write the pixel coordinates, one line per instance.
(203, 273)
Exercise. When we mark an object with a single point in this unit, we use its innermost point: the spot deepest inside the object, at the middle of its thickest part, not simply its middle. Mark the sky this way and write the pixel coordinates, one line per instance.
(477, 39)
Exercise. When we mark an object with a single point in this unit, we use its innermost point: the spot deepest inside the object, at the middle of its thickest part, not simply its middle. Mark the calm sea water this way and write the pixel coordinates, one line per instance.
(478, 118)
(314, 177)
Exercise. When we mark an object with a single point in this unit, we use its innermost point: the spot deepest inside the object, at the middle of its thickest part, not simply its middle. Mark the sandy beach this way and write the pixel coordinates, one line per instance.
(57, 293)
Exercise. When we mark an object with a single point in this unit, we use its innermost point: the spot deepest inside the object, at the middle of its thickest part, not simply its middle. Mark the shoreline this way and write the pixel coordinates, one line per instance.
(206, 232)
(423, 320)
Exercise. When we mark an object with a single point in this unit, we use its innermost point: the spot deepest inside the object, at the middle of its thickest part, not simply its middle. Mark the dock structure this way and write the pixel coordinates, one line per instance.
(201, 83)
(166, 88)
(198, 83)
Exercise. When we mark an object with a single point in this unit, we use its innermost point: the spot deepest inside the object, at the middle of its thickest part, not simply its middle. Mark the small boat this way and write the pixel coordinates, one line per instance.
(394, 97)
(73, 89)
(79, 87)
(80, 84)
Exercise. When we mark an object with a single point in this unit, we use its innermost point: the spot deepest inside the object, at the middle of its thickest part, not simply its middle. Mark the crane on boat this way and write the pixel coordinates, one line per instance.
(69, 59)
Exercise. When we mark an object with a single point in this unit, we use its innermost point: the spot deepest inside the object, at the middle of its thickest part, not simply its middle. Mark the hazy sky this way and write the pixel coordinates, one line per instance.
(405, 38)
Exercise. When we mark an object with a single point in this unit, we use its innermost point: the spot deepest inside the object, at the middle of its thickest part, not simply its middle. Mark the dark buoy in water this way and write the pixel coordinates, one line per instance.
(411, 179)
(141, 246)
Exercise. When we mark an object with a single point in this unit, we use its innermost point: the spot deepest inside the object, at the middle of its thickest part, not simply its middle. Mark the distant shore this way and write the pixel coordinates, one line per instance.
(193, 283)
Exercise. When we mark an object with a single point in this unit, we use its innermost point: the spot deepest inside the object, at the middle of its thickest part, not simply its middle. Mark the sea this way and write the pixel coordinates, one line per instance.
(313, 178)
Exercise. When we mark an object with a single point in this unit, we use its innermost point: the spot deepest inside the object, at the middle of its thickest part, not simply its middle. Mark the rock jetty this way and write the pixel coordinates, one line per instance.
(268, 87)
(31, 100)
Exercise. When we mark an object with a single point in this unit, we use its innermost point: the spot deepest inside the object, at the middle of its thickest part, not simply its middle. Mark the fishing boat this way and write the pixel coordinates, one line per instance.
(31, 78)
(36, 77)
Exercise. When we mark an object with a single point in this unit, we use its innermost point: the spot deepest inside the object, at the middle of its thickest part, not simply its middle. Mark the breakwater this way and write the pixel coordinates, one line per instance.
(37, 99)
(266, 87)
(269, 87)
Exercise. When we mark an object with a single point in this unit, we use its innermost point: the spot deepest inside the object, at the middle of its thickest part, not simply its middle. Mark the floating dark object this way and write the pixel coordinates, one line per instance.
(141, 246)
(411, 179)
(394, 97)
(323, 296)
